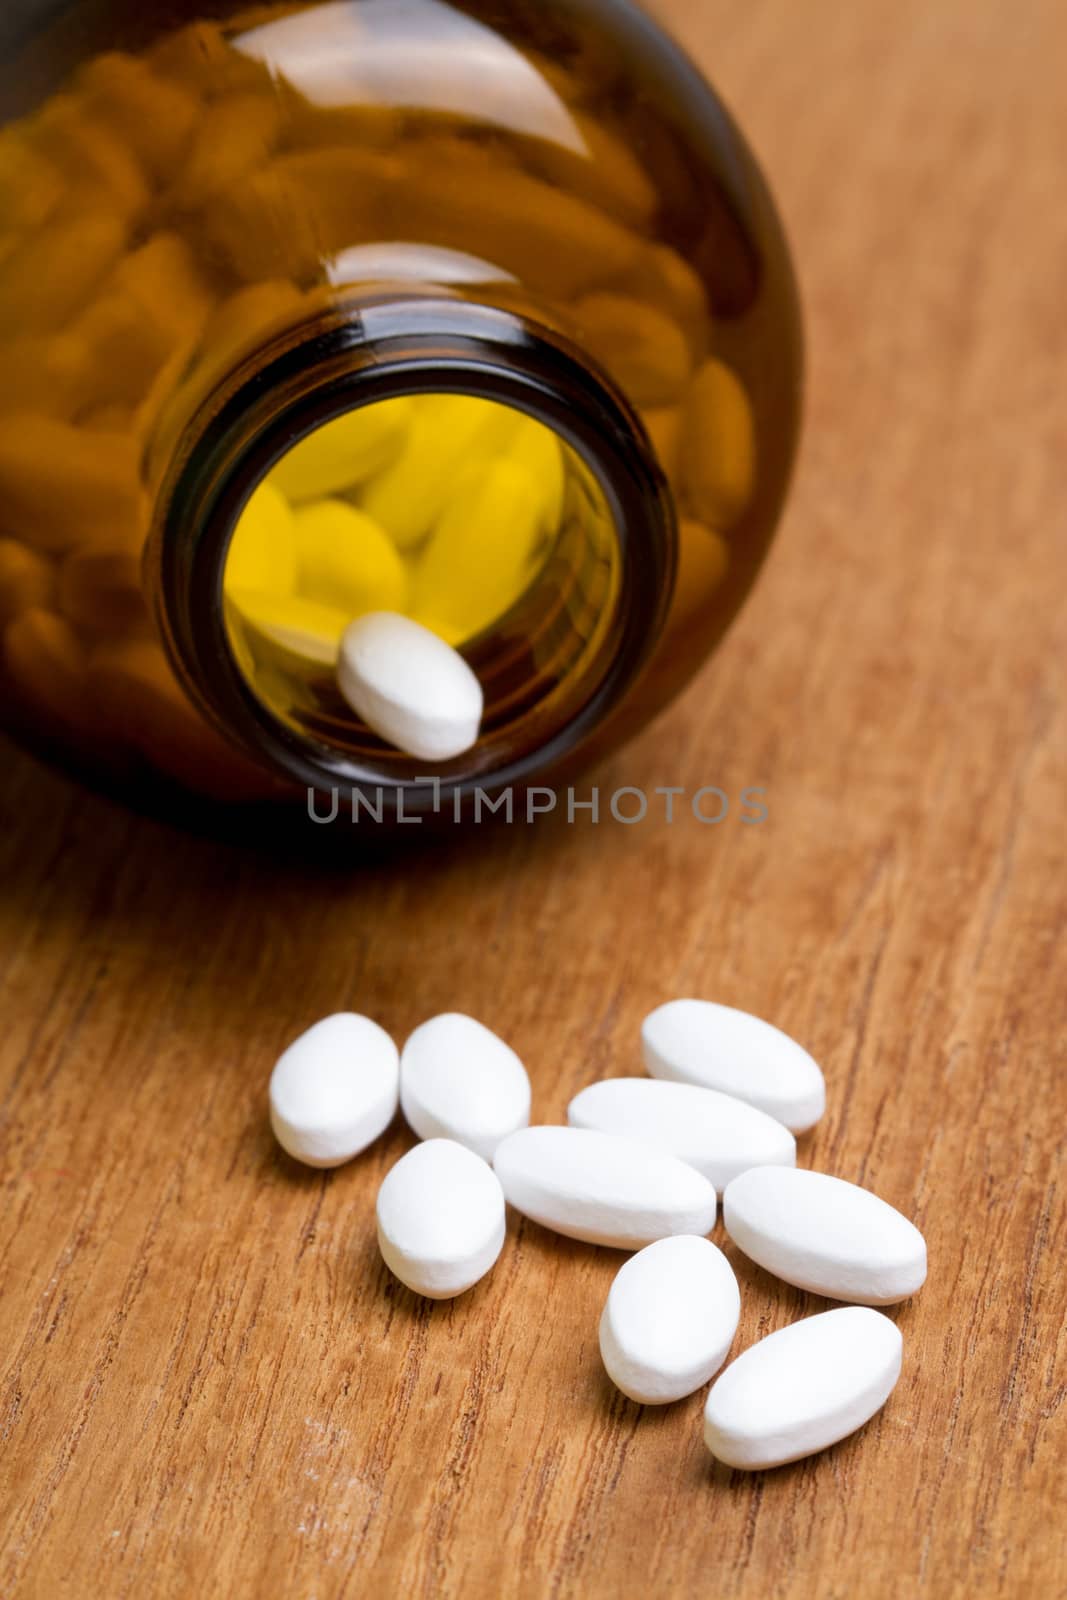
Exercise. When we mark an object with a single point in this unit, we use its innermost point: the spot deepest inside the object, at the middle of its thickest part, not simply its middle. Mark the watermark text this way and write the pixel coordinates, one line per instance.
(709, 806)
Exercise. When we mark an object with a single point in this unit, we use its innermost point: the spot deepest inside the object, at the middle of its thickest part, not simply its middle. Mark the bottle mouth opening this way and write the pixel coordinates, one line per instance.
(449, 461)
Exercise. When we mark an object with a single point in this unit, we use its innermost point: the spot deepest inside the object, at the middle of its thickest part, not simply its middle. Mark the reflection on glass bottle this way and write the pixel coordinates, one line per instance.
(471, 311)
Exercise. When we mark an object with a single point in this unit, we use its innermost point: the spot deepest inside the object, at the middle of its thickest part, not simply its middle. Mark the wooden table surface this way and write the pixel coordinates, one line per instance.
(211, 1386)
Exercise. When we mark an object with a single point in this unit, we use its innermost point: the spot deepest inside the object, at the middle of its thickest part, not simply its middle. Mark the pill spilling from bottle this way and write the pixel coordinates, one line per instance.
(602, 1188)
(825, 1235)
(459, 1081)
(669, 1319)
(335, 1090)
(441, 1223)
(803, 1388)
(636, 1170)
(697, 1041)
(409, 686)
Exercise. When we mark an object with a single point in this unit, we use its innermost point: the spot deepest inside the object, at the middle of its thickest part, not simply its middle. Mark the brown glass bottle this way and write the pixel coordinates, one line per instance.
(510, 269)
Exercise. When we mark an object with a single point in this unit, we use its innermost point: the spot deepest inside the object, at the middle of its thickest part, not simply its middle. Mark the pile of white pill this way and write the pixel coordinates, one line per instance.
(638, 1166)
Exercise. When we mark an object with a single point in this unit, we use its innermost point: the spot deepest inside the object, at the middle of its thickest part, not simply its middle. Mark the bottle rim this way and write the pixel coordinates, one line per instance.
(363, 351)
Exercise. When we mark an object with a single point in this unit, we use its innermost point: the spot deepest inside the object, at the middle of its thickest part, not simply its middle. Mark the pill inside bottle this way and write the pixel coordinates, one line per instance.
(463, 514)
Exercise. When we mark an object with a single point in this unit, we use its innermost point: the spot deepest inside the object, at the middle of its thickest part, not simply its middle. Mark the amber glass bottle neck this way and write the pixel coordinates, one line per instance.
(357, 354)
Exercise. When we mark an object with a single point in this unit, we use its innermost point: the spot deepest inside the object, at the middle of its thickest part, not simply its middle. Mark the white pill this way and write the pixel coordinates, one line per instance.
(803, 1388)
(412, 688)
(670, 1318)
(716, 1133)
(440, 1219)
(459, 1081)
(825, 1235)
(602, 1189)
(696, 1041)
(335, 1090)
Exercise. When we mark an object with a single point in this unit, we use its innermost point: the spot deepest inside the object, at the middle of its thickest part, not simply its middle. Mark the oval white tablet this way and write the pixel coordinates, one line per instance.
(335, 1090)
(600, 1188)
(670, 1317)
(716, 1133)
(459, 1081)
(697, 1041)
(826, 1235)
(440, 1219)
(411, 687)
(803, 1388)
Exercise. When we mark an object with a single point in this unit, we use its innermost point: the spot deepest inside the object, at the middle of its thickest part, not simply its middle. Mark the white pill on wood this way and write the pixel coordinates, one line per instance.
(697, 1041)
(600, 1188)
(803, 1388)
(409, 686)
(716, 1133)
(440, 1219)
(335, 1090)
(670, 1318)
(458, 1080)
(825, 1235)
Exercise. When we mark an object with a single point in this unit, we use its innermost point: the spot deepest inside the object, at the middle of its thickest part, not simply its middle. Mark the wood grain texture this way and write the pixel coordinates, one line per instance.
(211, 1386)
